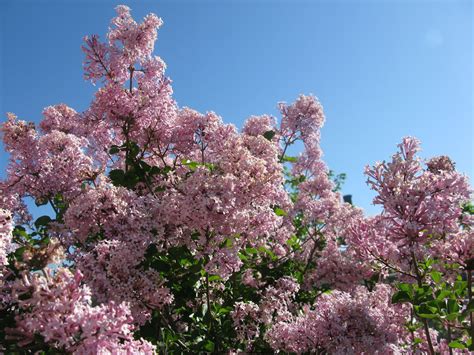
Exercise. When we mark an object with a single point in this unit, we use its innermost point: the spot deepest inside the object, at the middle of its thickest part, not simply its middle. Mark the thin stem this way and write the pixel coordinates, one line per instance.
(419, 279)
(126, 130)
(469, 299)
(132, 69)
(449, 339)
(287, 144)
(311, 254)
(208, 301)
(412, 331)
(385, 263)
(107, 72)
(211, 329)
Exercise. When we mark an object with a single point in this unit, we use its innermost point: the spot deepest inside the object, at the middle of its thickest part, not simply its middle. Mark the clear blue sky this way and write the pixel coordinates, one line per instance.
(382, 69)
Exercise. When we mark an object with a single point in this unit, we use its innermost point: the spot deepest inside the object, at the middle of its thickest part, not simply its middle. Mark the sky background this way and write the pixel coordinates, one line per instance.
(382, 69)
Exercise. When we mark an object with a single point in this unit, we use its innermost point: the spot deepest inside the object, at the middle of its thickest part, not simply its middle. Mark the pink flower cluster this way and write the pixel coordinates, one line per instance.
(342, 323)
(338, 269)
(421, 210)
(112, 267)
(44, 165)
(128, 42)
(59, 309)
(416, 201)
(276, 305)
(6, 229)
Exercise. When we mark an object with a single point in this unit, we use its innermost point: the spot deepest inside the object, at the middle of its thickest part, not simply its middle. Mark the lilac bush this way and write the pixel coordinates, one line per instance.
(173, 232)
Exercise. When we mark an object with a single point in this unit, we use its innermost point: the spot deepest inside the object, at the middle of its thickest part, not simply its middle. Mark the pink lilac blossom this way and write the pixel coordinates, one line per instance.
(234, 201)
(457, 248)
(339, 269)
(128, 42)
(276, 305)
(317, 202)
(112, 267)
(231, 200)
(116, 212)
(245, 319)
(277, 301)
(59, 118)
(304, 117)
(303, 120)
(147, 108)
(439, 164)
(421, 208)
(58, 307)
(252, 278)
(6, 229)
(113, 271)
(258, 125)
(340, 323)
(42, 166)
(418, 202)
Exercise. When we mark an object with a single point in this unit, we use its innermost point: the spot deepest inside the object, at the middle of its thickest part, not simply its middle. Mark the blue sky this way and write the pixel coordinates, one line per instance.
(382, 69)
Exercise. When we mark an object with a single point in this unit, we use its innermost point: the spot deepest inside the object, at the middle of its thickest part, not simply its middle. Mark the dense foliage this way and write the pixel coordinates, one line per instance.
(173, 232)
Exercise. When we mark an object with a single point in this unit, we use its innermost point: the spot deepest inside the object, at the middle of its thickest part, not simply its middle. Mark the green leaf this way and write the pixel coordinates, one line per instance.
(114, 149)
(453, 306)
(45, 241)
(190, 164)
(456, 344)
(243, 257)
(427, 315)
(428, 263)
(117, 176)
(452, 316)
(426, 309)
(469, 344)
(227, 243)
(417, 341)
(209, 346)
(251, 250)
(470, 306)
(267, 251)
(436, 276)
(155, 170)
(443, 294)
(280, 212)
(42, 221)
(130, 179)
(269, 135)
(293, 242)
(401, 296)
(414, 326)
(214, 278)
(160, 265)
(405, 287)
(224, 310)
(19, 252)
(423, 294)
(166, 170)
(134, 149)
(468, 208)
(144, 165)
(289, 159)
(20, 231)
